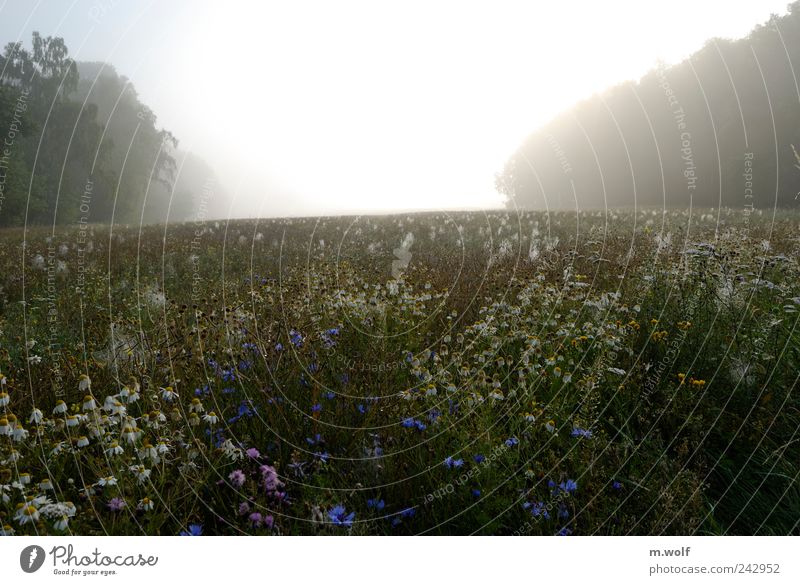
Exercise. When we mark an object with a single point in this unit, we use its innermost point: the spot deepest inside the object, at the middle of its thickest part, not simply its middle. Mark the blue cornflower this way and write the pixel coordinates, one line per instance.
(476, 493)
(479, 458)
(421, 426)
(228, 375)
(244, 409)
(194, 530)
(409, 423)
(316, 408)
(339, 516)
(278, 347)
(511, 441)
(408, 513)
(616, 485)
(330, 395)
(377, 504)
(328, 337)
(578, 432)
(296, 338)
(564, 532)
(540, 509)
(451, 463)
(569, 486)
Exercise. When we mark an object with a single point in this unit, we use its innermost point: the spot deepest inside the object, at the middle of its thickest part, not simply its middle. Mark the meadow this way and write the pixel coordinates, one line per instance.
(566, 373)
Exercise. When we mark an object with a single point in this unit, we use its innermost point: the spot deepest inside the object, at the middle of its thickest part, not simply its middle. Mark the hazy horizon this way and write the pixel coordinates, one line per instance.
(320, 110)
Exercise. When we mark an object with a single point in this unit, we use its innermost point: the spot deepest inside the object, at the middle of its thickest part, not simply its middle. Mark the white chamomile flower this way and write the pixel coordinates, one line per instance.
(36, 416)
(27, 515)
(130, 434)
(107, 481)
(168, 394)
(115, 449)
(89, 403)
(141, 473)
(19, 434)
(60, 408)
(84, 383)
(149, 452)
(145, 504)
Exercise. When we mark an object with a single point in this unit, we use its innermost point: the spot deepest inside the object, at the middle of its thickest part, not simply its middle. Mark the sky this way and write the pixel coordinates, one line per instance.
(307, 108)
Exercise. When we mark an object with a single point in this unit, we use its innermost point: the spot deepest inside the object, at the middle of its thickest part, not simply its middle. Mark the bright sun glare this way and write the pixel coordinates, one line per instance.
(360, 106)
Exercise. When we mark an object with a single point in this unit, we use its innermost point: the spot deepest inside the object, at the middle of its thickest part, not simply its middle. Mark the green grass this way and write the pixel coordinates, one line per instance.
(680, 359)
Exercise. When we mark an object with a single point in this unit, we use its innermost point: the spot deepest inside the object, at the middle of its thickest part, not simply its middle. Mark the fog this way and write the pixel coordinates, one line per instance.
(354, 107)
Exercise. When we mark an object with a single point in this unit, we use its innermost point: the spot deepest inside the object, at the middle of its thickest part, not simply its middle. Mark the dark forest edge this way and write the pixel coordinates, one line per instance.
(79, 145)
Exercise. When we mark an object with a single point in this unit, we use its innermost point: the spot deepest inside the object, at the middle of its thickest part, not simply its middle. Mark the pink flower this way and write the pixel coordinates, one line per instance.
(253, 453)
(256, 520)
(237, 478)
(116, 504)
(244, 508)
(270, 481)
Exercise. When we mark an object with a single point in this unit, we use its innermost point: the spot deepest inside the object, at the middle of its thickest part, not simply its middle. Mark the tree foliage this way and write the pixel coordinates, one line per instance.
(78, 145)
(714, 130)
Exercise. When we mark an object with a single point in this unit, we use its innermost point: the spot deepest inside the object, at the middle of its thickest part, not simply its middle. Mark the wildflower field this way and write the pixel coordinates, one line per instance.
(619, 372)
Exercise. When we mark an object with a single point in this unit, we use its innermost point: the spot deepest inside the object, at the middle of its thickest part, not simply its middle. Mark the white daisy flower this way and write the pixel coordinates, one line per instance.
(36, 416)
(27, 514)
(115, 449)
(89, 403)
(142, 474)
(84, 383)
(19, 434)
(107, 481)
(168, 394)
(145, 504)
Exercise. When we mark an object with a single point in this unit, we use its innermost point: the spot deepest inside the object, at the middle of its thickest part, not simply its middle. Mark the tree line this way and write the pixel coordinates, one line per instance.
(77, 143)
(718, 129)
